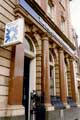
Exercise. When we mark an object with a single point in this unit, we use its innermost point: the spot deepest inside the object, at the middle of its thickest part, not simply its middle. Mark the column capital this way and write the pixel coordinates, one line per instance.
(45, 37)
(54, 46)
(67, 58)
(61, 50)
(27, 28)
(34, 29)
(71, 59)
(37, 36)
(56, 53)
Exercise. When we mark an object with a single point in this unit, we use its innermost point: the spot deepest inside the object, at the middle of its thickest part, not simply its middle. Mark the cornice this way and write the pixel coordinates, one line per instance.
(20, 11)
(43, 14)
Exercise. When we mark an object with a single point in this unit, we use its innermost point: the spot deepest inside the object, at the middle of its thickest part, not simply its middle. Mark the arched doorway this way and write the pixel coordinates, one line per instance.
(29, 83)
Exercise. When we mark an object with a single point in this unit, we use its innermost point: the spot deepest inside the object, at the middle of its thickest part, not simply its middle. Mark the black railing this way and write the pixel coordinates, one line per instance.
(71, 102)
(57, 103)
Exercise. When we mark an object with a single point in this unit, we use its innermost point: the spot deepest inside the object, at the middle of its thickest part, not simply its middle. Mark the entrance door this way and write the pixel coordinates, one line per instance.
(26, 86)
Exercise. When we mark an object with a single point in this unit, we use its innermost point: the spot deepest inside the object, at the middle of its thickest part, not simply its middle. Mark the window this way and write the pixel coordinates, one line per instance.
(62, 24)
(65, 70)
(52, 74)
(29, 46)
(51, 10)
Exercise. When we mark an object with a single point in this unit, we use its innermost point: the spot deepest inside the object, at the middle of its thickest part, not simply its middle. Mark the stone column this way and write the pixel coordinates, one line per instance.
(73, 89)
(45, 70)
(57, 80)
(16, 76)
(62, 77)
(68, 77)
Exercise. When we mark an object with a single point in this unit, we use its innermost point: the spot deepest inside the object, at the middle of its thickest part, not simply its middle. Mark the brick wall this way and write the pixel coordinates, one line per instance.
(61, 9)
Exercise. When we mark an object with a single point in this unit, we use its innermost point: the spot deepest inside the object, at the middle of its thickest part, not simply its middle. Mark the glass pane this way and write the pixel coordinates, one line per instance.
(50, 57)
(62, 24)
(28, 45)
(51, 81)
(48, 8)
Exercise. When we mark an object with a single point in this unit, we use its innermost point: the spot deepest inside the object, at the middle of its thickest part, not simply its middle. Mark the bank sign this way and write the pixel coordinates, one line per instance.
(14, 32)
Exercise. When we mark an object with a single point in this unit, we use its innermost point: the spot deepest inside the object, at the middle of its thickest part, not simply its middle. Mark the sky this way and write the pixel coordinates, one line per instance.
(75, 16)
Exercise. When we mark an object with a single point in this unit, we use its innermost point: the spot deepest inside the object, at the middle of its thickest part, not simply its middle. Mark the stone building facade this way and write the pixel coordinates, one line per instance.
(43, 63)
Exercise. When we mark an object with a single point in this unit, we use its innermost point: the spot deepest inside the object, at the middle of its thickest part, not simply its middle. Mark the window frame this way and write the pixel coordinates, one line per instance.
(63, 24)
(51, 12)
(66, 77)
(52, 64)
(30, 54)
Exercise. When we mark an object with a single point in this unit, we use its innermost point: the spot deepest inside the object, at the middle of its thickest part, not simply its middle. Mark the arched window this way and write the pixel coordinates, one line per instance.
(63, 23)
(29, 48)
(65, 70)
(52, 74)
(51, 10)
(28, 44)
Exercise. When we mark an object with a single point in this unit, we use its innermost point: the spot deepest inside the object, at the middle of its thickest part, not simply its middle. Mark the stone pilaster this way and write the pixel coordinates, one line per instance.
(38, 63)
(45, 70)
(68, 77)
(73, 89)
(62, 77)
(16, 76)
(57, 80)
